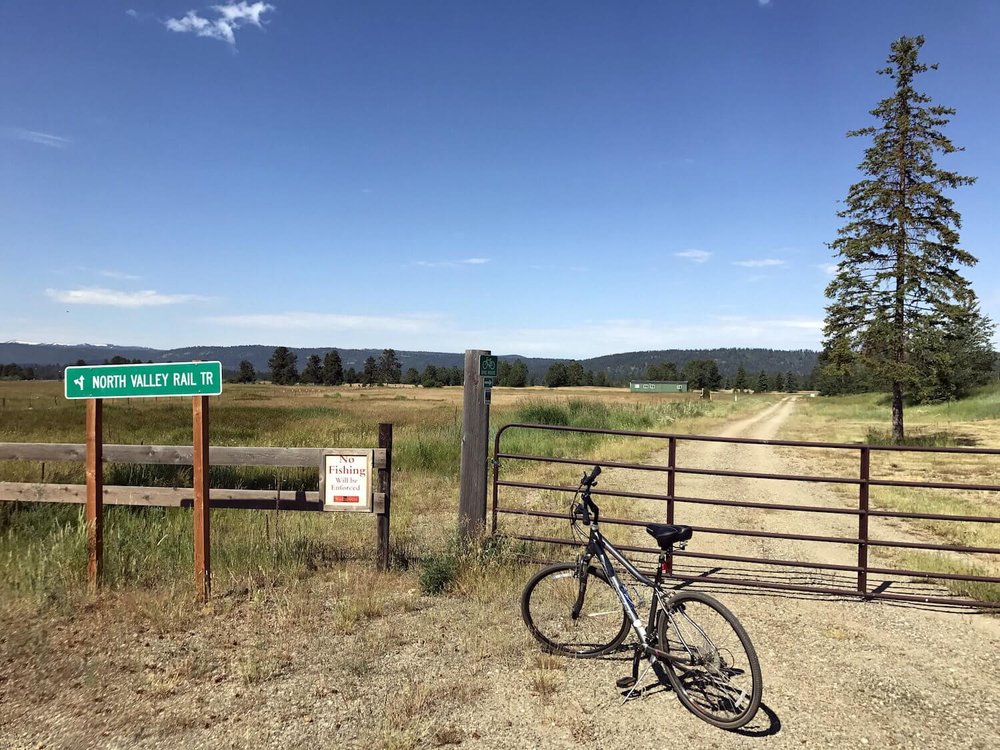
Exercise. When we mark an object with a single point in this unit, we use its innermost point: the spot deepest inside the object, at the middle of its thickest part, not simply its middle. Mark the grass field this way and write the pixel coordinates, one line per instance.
(42, 548)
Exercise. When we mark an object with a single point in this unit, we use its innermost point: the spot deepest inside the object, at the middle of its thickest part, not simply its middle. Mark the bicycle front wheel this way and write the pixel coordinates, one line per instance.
(572, 612)
(713, 666)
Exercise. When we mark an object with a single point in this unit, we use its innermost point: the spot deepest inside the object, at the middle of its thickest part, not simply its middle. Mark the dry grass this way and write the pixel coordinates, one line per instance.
(853, 418)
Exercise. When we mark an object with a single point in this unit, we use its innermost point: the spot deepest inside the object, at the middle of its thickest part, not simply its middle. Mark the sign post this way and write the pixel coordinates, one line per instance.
(97, 382)
(479, 364)
(94, 512)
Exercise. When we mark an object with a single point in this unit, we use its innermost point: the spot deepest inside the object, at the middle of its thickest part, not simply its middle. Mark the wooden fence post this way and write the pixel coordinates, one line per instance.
(475, 434)
(94, 513)
(385, 487)
(202, 531)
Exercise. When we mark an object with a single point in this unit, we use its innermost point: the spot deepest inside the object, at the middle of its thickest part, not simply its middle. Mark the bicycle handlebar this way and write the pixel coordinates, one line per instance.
(588, 505)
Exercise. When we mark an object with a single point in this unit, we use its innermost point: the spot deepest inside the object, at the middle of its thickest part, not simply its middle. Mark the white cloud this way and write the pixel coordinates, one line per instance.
(438, 332)
(696, 256)
(331, 322)
(230, 18)
(759, 263)
(34, 136)
(120, 275)
(451, 263)
(116, 298)
(828, 268)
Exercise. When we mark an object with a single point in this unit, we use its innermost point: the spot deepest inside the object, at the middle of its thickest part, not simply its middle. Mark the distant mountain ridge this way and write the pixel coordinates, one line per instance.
(622, 367)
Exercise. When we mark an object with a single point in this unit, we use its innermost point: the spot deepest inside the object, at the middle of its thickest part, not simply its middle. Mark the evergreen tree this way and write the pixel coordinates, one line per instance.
(701, 374)
(389, 368)
(778, 383)
(518, 374)
(370, 375)
(662, 371)
(333, 368)
(313, 372)
(282, 364)
(791, 382)
(247, 373)
(741, 383)
(557, 375)
(429, 378)
(351, 376)
(761, 383)
(898, 253)
(575, 373)
(412, 376)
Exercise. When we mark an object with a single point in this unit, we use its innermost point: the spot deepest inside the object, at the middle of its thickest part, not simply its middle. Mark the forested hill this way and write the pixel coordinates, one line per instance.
(619, 367)
(633, 365)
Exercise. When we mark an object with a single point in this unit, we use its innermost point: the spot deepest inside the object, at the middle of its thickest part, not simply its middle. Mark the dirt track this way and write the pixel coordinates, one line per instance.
(298, 670)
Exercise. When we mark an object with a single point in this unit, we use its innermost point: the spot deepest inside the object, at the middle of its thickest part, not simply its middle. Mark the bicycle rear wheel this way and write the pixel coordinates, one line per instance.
(714, 668)
(573, 614)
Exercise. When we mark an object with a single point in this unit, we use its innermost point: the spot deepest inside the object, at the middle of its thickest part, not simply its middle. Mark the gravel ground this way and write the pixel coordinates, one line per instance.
(348, 658)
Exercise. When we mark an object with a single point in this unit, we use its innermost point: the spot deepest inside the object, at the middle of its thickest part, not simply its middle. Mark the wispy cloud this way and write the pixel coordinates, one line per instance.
(759, 263)
(35, 136)
(332, 322)
(118, 298)
(120, 275)
(440, 332)
(451, 263)
(695, 256)
(227, 19)
(828, 268)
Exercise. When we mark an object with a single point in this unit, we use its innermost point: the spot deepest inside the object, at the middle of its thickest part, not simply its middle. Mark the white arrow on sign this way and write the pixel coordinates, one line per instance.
(79, 382)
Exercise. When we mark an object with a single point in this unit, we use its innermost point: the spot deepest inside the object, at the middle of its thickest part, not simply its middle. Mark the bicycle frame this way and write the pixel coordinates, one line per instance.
(598, 546)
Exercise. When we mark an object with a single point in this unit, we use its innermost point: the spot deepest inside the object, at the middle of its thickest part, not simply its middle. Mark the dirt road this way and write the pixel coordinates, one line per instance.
(349, 658)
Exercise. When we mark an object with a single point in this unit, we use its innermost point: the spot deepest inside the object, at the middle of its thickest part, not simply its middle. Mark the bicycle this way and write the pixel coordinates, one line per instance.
(578, 610)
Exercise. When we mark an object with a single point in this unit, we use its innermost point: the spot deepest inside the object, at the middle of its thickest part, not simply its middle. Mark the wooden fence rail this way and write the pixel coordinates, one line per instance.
(184, 497)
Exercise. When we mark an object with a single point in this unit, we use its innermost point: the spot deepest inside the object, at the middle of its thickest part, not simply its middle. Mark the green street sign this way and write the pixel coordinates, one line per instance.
(487, 382)
(144, 381)
(488, 365)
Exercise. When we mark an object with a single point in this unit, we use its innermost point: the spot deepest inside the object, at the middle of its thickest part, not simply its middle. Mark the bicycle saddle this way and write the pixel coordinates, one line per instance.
(666, 534)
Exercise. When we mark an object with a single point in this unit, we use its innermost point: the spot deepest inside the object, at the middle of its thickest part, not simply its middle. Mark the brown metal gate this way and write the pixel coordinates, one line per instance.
(793, 575)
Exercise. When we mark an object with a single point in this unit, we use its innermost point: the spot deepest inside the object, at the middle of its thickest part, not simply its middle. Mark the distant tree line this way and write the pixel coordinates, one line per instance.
(697, 373)
(329, 370)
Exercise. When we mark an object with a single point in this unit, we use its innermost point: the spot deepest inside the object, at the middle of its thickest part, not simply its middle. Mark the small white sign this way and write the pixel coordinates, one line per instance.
(347, 481)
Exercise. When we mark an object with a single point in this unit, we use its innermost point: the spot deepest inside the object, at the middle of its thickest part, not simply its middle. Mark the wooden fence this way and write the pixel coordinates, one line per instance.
(183, 497)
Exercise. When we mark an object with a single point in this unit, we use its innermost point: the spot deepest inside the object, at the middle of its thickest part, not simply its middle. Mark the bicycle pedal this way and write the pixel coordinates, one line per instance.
(625, 682)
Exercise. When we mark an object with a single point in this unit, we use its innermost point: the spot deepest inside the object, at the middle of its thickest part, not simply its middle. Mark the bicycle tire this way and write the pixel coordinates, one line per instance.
(714, 671)
(546, 608)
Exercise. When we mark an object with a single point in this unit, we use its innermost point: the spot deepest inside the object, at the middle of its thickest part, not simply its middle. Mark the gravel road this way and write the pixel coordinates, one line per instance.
(297, 669)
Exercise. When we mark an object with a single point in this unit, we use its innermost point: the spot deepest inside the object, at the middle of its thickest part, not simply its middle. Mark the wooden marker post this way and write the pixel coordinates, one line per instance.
(202, 532)
(475, 435)
(385, 487)
(95, 494)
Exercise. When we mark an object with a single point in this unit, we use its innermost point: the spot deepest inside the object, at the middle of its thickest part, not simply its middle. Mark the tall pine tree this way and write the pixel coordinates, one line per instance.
(898, 252)
(333, 368)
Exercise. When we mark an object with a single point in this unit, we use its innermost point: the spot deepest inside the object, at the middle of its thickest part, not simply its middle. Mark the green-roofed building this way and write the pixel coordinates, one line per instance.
(658, 386)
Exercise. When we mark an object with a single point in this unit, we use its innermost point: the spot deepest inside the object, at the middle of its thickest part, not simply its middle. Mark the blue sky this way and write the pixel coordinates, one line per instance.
(543, 178)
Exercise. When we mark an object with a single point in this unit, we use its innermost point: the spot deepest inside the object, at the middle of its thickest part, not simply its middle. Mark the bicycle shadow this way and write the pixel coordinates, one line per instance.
(766, 723)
